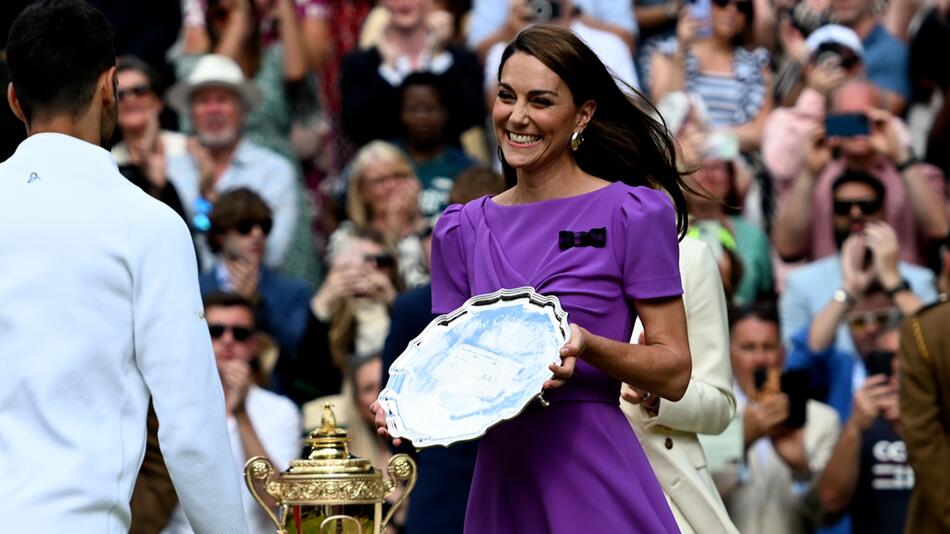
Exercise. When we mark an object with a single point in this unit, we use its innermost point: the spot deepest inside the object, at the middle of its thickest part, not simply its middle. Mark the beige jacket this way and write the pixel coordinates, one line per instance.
(669, 439)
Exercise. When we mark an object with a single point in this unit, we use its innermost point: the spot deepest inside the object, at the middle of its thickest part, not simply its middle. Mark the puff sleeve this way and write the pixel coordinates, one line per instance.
(450, 287)
(650, 250)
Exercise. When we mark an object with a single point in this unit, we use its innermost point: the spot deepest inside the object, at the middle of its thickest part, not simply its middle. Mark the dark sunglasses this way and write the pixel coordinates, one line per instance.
(240, 333)
(246, 226)
(742, 6)
(137, 90)
(867, 207)
(382, 261)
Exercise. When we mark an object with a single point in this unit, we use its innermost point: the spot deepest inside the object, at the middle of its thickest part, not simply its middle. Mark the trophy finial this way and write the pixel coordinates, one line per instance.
(328, 422)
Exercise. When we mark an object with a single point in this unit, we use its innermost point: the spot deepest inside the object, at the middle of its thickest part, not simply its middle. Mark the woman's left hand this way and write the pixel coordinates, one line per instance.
(569, 354)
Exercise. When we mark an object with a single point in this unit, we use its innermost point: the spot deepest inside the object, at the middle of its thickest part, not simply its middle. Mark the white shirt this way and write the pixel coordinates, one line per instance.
(99, 305)
(278, 425)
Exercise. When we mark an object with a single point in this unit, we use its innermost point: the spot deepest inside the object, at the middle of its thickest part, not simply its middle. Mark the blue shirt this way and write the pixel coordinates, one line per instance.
(887, 60)
(490, 15)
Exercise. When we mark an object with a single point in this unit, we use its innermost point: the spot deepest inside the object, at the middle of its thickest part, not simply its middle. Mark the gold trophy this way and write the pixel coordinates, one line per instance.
(330, 492)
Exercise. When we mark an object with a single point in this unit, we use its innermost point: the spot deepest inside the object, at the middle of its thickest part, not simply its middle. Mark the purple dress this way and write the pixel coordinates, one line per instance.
(575, 466)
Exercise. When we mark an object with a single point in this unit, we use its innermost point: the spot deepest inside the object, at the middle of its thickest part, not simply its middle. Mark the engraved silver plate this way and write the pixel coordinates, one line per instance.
(475, 367)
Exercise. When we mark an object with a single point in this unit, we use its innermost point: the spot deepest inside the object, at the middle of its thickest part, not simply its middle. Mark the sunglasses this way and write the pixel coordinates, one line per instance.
(861, 322)
(867, 207)
(742, 6)
(246, 226)
(382, 261)
(239, 333)
(137, 90)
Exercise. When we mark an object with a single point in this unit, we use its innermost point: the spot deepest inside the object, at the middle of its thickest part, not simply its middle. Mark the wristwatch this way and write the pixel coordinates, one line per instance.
(891, 292)
(843, 296)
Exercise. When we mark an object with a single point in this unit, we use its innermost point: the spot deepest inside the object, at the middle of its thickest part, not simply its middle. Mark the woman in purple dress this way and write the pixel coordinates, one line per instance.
(590, 221)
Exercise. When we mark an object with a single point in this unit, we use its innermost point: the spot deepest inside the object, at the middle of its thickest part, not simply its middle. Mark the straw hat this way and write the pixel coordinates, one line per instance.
(213, 70)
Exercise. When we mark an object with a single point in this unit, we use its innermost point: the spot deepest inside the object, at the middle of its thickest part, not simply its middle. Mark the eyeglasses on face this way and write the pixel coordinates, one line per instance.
(382, 261)
(137, 90)
(742, 6)
(867, 206)
(239, 333)
(246, 226)
(862, 321)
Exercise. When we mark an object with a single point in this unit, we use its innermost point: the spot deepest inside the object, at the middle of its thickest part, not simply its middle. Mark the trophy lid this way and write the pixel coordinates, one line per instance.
(330, 452)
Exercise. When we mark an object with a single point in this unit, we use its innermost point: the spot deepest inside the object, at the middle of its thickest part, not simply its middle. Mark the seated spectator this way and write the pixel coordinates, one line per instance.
(498, 21)
(716, 202)
(835, 56)
(821, 294)
(370, 79)
(145, 147)
(732, 80)
(782, 463)
(261, 423)
(608, 46)
(424, 114)
(383, 195)
(914, 201)
(218, 98)
(885, 56)
(350, 312)
(868, 474)
(240, 223)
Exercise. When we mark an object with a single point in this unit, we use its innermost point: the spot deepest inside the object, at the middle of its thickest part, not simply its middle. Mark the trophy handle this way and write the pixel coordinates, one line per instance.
(260, 469)
(401, 468)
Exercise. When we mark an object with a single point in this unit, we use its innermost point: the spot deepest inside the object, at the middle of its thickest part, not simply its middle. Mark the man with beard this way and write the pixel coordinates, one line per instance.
(823, 291)
(217, 97)
(99, 306)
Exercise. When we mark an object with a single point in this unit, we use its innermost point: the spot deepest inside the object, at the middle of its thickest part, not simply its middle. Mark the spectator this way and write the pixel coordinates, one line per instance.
(914, 204)
(925, 410)
(240, 222)
(261, 423)
(668, 430)
(498, 21)
(732, 80)
(716, 202)
(834, 56)
(219, 158)
(831, 285)
(885, 56)
(868, 474)
(782, 463)
(370, 79)
(383, 194)
(143, 153)
(424, 113)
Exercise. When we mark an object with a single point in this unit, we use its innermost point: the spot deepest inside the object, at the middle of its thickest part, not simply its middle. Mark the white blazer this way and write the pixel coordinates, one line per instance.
(669, 439)
(100, 309)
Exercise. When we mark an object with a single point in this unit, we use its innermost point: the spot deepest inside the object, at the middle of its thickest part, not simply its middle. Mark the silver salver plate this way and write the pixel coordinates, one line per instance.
(475, 367)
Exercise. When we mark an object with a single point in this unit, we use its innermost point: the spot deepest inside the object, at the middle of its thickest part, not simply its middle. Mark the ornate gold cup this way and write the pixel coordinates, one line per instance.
(330, 492)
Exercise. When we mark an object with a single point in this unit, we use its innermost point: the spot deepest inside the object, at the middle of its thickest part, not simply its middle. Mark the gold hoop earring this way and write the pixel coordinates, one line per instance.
(577, 139)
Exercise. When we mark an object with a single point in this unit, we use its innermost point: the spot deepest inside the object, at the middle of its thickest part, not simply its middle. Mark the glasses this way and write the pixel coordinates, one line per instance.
(862, 321)
(246, 226)
(867, 207)
(382, 261)
(137, 90)
(239, 333)
(742, 6)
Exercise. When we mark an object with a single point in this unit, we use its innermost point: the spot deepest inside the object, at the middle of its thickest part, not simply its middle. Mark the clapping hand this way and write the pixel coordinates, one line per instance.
(856, 274)
(236, 378)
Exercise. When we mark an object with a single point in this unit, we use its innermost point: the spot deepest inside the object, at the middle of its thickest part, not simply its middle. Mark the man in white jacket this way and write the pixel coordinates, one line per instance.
(667, 430)
(99, 307)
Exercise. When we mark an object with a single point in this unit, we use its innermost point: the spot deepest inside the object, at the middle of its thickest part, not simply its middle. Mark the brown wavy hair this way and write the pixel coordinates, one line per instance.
(623, 141)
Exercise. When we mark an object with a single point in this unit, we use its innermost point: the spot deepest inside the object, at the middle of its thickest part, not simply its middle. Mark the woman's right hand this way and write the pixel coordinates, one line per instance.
(379, 415)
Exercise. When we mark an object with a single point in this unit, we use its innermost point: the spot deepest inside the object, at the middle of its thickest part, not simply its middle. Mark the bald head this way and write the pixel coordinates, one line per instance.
(855, 96)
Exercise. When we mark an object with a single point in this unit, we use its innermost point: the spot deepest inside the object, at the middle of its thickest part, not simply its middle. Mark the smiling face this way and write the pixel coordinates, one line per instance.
(731, 20)
(138, 103)
(217, 113)
(534, 114)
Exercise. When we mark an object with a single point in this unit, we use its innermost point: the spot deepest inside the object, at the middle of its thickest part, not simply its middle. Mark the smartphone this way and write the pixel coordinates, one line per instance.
(796, 384)
(847, 125)
(702, 10)
(879, 362)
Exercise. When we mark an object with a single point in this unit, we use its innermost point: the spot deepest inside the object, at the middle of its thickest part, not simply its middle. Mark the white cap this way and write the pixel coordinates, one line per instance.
(835, 33)
(213, 70)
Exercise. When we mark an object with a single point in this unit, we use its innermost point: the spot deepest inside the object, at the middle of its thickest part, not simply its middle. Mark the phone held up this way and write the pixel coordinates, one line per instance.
(795, 383)
(702, 10)
(847, 125)
(879, 362)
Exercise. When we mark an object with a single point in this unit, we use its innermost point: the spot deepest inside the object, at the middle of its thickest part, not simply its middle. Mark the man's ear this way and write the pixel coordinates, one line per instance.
(14, 102)
(108, 87)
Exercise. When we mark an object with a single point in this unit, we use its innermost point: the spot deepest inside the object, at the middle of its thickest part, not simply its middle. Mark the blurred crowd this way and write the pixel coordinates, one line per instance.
(310, 145)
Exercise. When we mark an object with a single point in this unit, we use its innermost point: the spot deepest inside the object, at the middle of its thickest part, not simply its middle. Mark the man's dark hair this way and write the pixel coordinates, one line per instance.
(221, 299)
(861, 178)
(762, 310)
(133, 63)
(56, 51)
(233, 207)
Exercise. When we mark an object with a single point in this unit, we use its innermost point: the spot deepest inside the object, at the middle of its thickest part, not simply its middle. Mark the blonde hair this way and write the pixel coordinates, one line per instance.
(373, 153)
